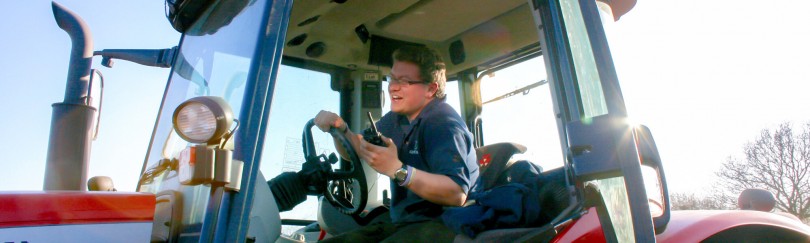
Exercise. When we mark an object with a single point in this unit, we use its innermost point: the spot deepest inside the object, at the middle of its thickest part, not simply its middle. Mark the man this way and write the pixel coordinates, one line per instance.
(429, 152)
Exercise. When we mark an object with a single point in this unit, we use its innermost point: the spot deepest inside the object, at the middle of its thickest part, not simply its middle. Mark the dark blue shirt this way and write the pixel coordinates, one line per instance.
(437, 141)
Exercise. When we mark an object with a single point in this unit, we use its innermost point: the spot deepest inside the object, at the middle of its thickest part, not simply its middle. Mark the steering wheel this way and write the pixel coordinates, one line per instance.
(345, 188)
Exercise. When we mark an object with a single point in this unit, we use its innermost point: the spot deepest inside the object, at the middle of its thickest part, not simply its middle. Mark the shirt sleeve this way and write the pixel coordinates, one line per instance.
(448, 148)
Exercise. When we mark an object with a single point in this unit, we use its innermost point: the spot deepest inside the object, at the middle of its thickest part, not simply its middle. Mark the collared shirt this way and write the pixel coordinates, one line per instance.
(437, 141)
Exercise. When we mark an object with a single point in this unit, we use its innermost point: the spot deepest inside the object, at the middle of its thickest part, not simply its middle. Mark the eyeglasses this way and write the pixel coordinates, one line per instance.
(402, 82)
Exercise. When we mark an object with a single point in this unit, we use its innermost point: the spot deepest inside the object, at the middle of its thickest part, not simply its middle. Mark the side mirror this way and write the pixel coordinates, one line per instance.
(605, 147)
(100, 183)
(655, 181)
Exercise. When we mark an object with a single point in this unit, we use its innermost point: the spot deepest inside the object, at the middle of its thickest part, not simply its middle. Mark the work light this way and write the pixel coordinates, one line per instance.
(203, 119)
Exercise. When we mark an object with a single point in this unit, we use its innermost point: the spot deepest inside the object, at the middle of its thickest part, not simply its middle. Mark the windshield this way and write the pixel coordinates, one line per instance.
(212, 61)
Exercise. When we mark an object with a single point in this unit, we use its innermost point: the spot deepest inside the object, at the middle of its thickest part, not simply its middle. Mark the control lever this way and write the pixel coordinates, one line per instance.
(371, 135)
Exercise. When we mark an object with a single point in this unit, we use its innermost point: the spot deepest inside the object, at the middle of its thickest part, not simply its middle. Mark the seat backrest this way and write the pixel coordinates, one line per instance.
(494, 159)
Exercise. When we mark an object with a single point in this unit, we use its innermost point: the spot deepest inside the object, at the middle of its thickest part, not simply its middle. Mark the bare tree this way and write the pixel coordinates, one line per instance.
(690, 201)
(777, 161)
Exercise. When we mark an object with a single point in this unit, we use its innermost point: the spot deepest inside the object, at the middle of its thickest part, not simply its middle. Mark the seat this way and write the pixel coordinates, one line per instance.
(493, 160)
(497, 169)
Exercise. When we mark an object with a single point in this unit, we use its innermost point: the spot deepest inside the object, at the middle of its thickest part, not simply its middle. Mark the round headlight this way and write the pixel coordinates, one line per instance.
(204, 119)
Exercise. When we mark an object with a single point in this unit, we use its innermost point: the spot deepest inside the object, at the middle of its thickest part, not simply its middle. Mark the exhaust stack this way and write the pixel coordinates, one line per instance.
(72, 120)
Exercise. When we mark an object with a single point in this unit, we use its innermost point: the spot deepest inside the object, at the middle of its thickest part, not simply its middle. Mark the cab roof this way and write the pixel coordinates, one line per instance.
(362, 33)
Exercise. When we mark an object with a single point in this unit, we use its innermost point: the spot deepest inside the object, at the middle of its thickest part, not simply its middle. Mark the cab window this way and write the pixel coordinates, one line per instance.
(589, 84)
(212, 64)
(298, 96)
(517, 107)
(594, 101)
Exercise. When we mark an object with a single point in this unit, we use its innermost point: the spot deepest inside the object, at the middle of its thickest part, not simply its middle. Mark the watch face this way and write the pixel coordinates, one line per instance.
(401, 174)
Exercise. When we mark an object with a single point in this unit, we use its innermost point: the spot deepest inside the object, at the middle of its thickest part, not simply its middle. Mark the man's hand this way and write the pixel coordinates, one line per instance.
(437, 188)
(326, 120)
(382, 159)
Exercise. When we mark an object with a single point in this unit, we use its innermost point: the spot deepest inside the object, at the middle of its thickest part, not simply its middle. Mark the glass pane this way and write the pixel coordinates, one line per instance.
(524, 114)
(614, 195)
(213, 60)
(593, 103)
(652, 184)
(451, 90)
(298, 96)
(589, 84)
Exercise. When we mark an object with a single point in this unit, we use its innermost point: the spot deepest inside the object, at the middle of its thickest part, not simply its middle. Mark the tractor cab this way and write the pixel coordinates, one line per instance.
(533, 80)
(537, 74)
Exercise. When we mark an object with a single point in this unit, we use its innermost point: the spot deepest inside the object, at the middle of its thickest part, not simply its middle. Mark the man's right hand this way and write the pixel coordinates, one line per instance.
(326, 120)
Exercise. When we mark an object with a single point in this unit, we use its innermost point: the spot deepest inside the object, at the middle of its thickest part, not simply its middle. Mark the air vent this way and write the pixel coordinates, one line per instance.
(362, 33)
(309, 21)
(298, 40)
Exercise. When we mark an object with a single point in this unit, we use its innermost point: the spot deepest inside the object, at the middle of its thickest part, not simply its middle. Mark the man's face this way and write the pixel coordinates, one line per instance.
(409, 93)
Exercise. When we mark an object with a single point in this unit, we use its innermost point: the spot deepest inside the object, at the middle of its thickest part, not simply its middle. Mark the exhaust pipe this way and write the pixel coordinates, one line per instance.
(72, 120)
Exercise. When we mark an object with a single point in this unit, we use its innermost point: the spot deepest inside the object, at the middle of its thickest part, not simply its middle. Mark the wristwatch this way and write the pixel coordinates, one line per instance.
(403, 175)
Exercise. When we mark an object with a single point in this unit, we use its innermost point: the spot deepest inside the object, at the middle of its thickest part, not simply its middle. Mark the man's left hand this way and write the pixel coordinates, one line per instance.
(382, 159)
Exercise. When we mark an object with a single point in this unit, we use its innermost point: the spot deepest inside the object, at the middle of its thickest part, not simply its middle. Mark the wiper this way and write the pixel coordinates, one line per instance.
(524, 91)
(184, 68)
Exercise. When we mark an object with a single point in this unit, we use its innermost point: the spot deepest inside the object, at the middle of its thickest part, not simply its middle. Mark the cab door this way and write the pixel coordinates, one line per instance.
(232, 50)
(601, 149)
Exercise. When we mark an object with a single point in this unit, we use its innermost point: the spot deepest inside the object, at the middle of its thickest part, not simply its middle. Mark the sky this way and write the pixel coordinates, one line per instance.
(705, 76)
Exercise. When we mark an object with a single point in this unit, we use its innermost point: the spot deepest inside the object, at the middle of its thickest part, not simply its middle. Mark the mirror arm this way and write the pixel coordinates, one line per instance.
(148, 57)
